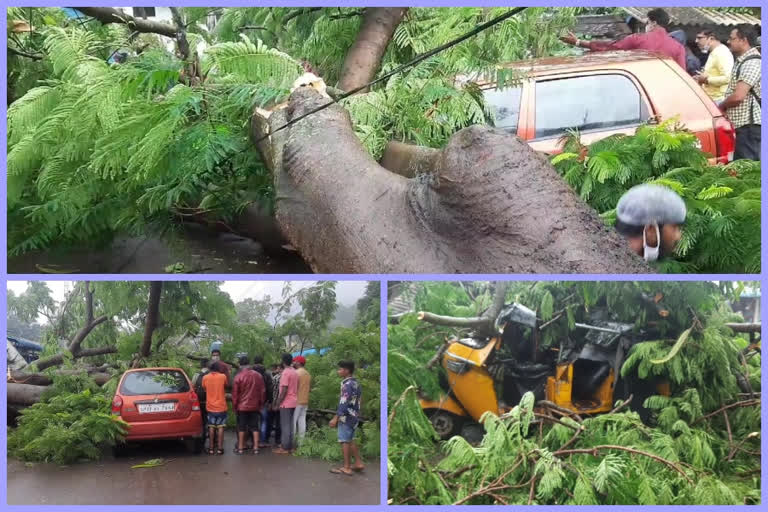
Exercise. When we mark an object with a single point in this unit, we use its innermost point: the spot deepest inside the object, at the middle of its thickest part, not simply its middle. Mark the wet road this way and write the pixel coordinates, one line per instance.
(198, 250)
(187, 479)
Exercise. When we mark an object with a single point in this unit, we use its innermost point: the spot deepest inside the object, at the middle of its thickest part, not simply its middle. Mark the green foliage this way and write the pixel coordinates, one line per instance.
(515, 451)
(721, 232)
(66, 428)
(97, 149)
(124, 147)
(323, 442)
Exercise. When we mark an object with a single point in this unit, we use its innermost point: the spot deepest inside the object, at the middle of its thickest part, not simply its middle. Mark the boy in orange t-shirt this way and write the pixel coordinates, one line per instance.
(214, 384)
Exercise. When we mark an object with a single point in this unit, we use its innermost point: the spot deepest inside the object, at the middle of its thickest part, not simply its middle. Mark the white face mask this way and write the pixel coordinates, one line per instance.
(652, 253)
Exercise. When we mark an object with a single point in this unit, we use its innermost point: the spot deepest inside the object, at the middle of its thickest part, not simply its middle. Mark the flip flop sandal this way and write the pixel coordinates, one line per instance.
(256, 452)
(238, 452)
(219, 452)
(339, 471)
(358, 470)
(211, 452)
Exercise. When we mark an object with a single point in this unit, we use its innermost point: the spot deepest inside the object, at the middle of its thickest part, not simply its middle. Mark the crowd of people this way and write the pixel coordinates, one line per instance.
(730, 74)
(271, 403)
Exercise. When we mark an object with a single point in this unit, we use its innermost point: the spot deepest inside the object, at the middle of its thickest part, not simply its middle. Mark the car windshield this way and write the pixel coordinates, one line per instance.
(154, 382)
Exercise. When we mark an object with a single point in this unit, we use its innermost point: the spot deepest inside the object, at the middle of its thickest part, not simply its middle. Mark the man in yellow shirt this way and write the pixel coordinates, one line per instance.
(717, 71)
(300, 413)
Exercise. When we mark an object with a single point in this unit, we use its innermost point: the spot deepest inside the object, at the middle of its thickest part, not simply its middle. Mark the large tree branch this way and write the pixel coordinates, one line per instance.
(364, 57)
(153, 313)
(500, 294)
(181, 34)
(58, 359)
(20, 53)
(74, 347)
(107, 15)
(42, 379)
(453, 321)
(495, 206)
(744, 327)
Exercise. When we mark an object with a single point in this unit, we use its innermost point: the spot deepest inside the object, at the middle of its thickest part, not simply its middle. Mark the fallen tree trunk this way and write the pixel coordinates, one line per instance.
(86, 352)
(42, 379)
(744, 327)
(24, 394)
(493, 205)
(107, 15)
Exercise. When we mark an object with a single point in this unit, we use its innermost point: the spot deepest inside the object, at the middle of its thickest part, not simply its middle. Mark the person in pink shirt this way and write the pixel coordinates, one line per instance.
(286, 403)
(655, 39)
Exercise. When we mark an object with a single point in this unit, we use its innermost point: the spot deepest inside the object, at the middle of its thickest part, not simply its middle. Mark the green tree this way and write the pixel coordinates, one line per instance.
(684, 453)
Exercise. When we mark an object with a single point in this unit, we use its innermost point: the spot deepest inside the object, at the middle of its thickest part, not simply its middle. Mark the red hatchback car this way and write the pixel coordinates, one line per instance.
(605, 93)
(159, 403)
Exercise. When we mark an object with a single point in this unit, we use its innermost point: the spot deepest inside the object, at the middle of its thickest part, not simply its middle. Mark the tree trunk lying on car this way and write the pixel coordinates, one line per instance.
(493, 205)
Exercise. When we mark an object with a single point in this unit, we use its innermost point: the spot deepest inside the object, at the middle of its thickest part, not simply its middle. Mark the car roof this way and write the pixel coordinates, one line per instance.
(167, 368)
(614, 59)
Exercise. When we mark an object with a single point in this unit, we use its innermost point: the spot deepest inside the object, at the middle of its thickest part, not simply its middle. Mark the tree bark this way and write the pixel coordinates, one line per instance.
(107, 15)
(42, 379)
(744, 327)
(182, 44)
(74, 347)
(493, 205)
(153, 314)
(364, 57)
(24, 394)
(42, 364)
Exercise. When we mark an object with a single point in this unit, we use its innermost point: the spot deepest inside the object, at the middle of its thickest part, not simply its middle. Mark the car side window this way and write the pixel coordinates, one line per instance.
(596, 102)
(504, 105)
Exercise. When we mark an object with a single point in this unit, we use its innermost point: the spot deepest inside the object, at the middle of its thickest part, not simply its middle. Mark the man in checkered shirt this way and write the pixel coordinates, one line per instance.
(742, 98)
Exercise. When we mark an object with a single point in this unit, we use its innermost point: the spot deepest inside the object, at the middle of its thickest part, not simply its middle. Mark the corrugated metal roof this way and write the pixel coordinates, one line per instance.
(695, 16)
(601, 25)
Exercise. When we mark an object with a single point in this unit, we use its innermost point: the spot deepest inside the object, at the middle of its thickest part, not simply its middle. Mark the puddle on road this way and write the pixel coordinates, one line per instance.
(197, 250)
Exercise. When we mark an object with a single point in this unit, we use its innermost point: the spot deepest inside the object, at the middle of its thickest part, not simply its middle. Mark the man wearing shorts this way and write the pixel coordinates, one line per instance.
(214, 384)
(248, 397)
(347, 418)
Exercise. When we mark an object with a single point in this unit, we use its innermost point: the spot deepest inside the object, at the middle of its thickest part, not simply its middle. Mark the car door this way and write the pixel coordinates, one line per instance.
(597, 104)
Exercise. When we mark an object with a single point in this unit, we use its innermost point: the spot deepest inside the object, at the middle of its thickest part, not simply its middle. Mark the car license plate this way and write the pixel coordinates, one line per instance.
(162, 407)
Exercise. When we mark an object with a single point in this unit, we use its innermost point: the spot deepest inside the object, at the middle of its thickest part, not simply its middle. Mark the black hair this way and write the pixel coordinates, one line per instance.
(287, 359)
(243, 360)
(204, 363)
(659, 16)
(625, 229)
(215, 351)
(629, 229)
(258, 359)
(347, 365)
(708, 33)
(748, 32)
(216, 367)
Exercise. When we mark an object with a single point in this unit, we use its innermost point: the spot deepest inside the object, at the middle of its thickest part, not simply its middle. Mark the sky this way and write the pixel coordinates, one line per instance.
(347, 292)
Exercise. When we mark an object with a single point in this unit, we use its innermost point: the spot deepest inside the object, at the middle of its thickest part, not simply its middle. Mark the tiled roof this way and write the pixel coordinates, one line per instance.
(695, 16)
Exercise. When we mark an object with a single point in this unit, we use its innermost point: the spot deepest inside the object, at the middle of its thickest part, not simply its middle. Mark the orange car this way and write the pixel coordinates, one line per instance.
(601, 94)
(159, 403)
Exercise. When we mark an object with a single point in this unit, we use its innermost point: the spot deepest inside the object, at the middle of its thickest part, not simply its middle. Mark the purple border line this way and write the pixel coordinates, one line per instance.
(420, 3)
(371, 277)
(390, 277)
(383, 415)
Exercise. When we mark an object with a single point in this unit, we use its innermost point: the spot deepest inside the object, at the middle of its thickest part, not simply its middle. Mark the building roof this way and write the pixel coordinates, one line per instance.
(695, 16)
(610, 25)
